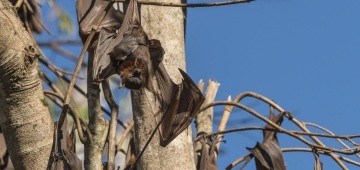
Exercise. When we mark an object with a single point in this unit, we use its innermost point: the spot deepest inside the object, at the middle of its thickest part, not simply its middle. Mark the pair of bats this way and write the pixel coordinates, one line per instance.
(122, 47)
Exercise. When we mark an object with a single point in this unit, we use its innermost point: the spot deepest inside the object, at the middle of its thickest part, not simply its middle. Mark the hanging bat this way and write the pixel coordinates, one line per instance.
(118, 38)
(180, 102)
(63, 154)
(133, 56)
(207, 159)
(268, 154)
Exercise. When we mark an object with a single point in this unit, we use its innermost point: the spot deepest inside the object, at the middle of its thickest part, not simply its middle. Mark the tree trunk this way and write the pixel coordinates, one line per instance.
(167, 25)
(24, 116)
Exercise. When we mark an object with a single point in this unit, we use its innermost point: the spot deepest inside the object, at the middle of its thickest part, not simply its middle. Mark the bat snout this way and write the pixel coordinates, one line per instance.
(135, 78)
(136, 72)
(133, 83)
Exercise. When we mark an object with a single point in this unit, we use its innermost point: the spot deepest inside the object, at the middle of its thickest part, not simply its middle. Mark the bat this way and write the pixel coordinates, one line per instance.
(63, 154)
(119, 37)
(268, 154)
(137, 56)
(180, 104)
(207, 159)
(131, 54)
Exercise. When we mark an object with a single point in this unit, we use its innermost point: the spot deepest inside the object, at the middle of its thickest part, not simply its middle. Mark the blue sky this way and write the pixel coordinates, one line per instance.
(303, 54)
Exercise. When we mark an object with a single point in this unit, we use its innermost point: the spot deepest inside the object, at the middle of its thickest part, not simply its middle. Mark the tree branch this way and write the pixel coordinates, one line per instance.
(112, 131)
(195, 5)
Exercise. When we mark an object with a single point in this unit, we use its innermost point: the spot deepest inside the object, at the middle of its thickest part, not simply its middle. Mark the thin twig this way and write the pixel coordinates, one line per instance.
(76, 72)
(125, 135)
(204, 120)
(74, 115)
(77, 120)
(112, 130)
(65, 53)
(195, 5)
(222, 124)
(239, 160)
(282, 130)
(310, 150)
(60, 42)
(67, 80)
(267, 129)
(53, 67)
(243, 158)
(331, 133)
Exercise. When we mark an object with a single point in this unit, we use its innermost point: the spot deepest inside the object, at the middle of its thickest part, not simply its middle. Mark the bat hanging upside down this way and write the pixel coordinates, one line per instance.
(124, 48)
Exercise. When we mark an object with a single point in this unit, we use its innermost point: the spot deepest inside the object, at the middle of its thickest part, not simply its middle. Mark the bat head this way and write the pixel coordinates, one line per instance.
(134, 69)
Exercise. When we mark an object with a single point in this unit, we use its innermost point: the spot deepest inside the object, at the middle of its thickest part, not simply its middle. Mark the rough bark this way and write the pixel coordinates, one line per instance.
(24, 116)
(167, 25)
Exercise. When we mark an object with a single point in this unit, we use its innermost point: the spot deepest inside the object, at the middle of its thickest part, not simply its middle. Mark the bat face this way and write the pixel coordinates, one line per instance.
(131, 58)
(133, 70)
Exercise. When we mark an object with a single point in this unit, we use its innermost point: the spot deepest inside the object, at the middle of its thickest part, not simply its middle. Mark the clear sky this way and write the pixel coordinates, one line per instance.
(303, 54)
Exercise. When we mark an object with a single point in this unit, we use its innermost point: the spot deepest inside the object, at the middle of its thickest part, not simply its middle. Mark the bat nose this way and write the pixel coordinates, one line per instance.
(137, 72)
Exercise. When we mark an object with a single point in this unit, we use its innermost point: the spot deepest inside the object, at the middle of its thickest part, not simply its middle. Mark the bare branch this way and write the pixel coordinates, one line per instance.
(112, 130)
(222, 124)
(60, 42)
(63, 77)
(320, 146)
(295, 132)
(76, 72)
(126, 133)
(195, 5)
(331, 133)
(243, 158)
(77, 120)
(295, 121)
(310, 150)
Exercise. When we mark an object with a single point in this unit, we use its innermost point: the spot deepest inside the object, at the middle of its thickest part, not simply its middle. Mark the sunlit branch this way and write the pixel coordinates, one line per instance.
(183, 5)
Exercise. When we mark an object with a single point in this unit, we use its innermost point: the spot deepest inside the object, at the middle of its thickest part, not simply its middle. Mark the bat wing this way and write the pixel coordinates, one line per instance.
(109, 34)
(107, 54)
(88, 15)
(180, 104)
